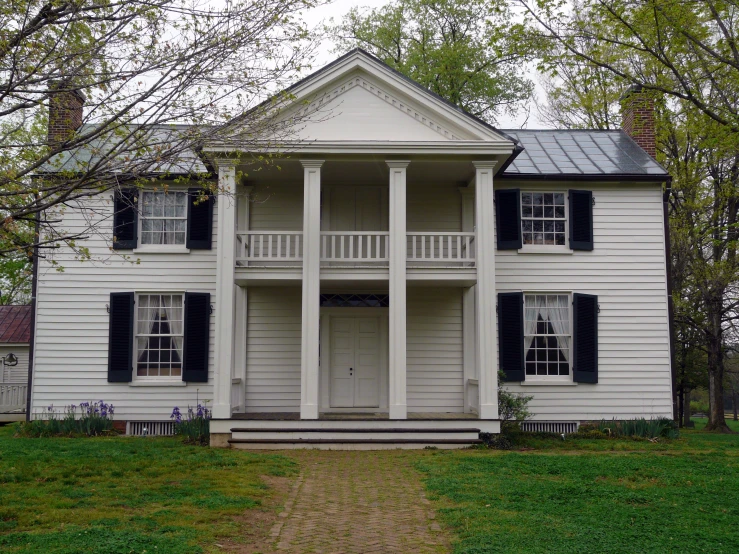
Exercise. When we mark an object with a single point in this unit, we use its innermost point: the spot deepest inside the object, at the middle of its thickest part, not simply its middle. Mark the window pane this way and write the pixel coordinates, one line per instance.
(547, 334)
(159, 335)
(543, 220)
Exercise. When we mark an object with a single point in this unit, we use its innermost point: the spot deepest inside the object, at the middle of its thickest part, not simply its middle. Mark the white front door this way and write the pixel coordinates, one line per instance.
(355, 362)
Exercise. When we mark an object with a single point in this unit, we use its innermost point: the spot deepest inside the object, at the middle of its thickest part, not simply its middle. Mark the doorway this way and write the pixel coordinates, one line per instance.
(354, 359)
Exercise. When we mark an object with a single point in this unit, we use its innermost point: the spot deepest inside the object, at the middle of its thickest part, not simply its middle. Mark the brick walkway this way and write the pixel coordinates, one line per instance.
(357, 502)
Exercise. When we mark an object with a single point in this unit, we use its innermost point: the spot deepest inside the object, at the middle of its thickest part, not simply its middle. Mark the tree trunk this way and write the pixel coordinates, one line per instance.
(734, 398)
(680, 405)
(716, 416)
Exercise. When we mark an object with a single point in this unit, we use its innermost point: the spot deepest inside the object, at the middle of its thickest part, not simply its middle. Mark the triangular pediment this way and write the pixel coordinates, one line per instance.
(359, 98)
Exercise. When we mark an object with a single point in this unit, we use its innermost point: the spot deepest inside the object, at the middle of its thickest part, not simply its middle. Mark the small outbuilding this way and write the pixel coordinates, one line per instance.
(15, 336)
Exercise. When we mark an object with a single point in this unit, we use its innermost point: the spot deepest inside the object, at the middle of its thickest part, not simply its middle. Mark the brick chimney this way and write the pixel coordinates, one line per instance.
(637, 118)
(65, 112)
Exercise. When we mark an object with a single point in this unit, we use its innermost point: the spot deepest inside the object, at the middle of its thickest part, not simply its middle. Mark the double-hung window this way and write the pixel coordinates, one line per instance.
(159, 336)
(547, 335)
(163, 217)
(543, 218)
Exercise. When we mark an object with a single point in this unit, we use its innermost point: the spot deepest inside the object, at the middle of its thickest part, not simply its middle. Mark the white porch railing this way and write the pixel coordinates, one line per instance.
(12, 398)
(269, 246)
(355, 246)
(453, 248)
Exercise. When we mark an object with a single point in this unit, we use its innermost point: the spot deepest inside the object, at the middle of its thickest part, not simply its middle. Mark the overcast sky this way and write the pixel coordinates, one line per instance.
(339, 7)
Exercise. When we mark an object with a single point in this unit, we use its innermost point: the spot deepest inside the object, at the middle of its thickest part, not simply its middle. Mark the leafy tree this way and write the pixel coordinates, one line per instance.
(683, 49)
(144, 68)
(470, 52)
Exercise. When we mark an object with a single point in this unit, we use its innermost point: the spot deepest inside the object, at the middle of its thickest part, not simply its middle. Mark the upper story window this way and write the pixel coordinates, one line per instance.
(163, 217)
(159, 335)
(543, 218)
(547, 334)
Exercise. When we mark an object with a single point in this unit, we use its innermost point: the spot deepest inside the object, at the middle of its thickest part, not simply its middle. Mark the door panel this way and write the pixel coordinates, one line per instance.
(342, 359)
(355, 362)
(367, 359)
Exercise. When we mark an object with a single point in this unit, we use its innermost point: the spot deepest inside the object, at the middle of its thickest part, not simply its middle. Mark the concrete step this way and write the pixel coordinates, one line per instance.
(350, 443)
(360, 434)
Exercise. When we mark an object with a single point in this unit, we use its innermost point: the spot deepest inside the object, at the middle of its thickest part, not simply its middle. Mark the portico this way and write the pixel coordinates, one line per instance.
(388, 259)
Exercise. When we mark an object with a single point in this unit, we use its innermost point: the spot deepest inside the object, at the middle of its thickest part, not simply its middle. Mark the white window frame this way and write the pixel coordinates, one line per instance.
(545, 248)
(160, 248)
(550, 379)
(157, 379)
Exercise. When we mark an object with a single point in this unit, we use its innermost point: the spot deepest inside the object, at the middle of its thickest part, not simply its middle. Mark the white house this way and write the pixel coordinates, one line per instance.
(15, 333)
(367, 292)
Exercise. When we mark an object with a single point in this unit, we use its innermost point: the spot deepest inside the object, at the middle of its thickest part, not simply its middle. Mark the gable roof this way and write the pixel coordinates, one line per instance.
(361, 53)
(581, 153)
(15, 324)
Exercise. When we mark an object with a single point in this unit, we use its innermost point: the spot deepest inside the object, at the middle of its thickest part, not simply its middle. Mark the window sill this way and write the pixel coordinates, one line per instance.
(544, 250)
(157, 384)
(545, 383)
(161, 250)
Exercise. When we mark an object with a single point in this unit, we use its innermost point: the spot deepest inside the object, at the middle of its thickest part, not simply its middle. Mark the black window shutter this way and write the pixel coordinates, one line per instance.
(197, 337)
(581, 219)
(199, 219)
(510, 335)
(585, 338)
(125, 219)
(120, 337)
(508, 219)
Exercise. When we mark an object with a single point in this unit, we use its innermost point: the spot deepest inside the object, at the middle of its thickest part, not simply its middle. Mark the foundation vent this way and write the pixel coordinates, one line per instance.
(558, 427)
(150, 428)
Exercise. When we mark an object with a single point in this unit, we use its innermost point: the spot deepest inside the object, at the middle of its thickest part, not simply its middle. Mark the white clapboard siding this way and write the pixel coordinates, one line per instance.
(278, 207)
(273, 349)
(434, 208)
(434, 350)
(17, 374)
(71, 356)
(627, 272)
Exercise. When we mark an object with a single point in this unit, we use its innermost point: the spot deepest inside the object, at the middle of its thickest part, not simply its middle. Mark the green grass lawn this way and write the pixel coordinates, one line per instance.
(592, 496)
(127, 495)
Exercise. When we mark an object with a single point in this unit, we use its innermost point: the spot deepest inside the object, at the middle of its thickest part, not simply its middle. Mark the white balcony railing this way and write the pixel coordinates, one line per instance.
(269, 246)
(355, 246)
(441, 248)
(13, 398)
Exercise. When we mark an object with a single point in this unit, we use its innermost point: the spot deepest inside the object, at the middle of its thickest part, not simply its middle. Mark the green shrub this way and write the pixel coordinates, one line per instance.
(645, 428)
(698, 406)
(195, 428)
(88, 419)
(512, 407)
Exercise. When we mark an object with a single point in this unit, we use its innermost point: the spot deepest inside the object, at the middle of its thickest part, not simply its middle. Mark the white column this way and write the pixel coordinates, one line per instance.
(487, 345)
(309, 384)
(469, 325)
(225, 289)
(397, 283)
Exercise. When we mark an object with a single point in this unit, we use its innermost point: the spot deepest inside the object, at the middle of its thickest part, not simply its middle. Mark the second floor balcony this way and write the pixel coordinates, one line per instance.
(355, 249)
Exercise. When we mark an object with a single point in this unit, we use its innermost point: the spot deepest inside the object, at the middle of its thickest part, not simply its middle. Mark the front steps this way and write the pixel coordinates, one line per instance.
(352, 438)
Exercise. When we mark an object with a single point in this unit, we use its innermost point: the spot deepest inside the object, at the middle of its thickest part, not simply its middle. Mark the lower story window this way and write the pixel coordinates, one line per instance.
(159, 335)
(547, 335)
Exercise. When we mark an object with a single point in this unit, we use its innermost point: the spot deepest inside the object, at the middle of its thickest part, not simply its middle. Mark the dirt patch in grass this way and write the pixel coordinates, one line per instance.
(258, 523)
